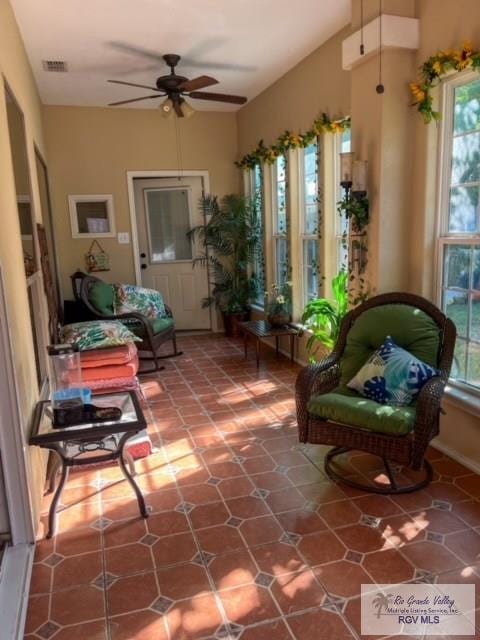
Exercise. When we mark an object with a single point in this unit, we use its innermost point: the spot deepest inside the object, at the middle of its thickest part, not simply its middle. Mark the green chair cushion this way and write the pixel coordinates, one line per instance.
(159, 325)
(410, 328)
(349, 408)
(100, 296)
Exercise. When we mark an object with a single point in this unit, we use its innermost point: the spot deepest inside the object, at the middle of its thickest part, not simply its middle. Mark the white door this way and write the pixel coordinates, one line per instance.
(166, 209)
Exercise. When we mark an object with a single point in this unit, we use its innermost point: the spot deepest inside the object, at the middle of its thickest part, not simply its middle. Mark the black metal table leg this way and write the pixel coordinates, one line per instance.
(53, 507)
(257, 351)
(133, 484)
(292, 347)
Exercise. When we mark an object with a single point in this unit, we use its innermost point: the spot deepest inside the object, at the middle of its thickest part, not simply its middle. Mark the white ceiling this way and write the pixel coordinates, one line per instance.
(263, 38)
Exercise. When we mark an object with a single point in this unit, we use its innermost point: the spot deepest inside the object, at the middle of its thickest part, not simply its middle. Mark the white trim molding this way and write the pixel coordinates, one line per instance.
(397, 33)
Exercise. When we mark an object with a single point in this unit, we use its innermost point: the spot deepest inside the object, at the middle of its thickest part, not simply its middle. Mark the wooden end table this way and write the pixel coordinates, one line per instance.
(75, 445)
(262, 329)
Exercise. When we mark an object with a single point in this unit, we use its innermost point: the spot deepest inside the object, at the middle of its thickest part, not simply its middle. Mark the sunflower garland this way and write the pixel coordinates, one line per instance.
(431, 75)
(289, 140)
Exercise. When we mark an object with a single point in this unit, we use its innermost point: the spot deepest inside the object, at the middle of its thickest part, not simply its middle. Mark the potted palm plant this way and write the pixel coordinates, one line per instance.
(230, 239)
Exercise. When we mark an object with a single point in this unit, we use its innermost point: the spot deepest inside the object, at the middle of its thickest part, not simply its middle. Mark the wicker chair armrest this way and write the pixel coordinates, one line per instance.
(427, 416)
(168, 311)
(132, 315)
(321, 377)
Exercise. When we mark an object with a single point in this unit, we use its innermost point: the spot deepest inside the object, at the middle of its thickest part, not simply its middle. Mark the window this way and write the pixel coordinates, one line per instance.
(259, 263)
(282, 267)
(459, 243)
(309, 224)
(343, 144)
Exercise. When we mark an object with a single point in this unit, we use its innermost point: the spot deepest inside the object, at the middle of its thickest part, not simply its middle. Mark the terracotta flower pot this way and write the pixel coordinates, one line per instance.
(231, 320)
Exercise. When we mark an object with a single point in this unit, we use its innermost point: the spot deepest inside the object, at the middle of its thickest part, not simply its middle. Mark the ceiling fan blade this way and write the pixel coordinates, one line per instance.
(197, 83)
(157, 95)
(189, 62)
(132, 84)
(220, 97)
(178, 109)
(138, 51)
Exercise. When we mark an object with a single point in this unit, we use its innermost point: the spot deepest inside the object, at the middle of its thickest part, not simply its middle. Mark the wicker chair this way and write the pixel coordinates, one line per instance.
(406, 318)
(98, 298)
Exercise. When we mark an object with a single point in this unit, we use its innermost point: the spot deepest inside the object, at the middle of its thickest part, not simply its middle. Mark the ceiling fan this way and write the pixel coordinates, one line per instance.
(175, 87)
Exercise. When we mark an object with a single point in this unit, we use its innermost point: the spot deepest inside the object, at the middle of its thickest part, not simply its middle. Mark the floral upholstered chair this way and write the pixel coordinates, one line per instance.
(335, 408)
(153, 325)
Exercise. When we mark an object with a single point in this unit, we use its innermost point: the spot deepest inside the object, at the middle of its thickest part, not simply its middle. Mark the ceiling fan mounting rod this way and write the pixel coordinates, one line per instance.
(172, 59)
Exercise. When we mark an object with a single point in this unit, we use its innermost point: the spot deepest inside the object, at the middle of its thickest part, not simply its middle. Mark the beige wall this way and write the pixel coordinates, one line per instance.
(15, 68)
(315, 85)
(91, 149)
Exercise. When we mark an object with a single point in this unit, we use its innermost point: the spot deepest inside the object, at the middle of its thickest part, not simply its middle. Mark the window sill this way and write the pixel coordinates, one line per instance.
(463, 399)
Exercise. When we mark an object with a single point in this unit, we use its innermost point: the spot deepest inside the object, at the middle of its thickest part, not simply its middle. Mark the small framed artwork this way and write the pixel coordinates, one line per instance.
(92, 216)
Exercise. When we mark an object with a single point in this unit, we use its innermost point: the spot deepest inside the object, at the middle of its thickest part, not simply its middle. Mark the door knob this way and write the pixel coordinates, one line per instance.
(143, 266)
(143, 255)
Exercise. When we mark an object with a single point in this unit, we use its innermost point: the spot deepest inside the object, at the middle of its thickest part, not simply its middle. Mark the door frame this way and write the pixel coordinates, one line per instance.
(131, 176)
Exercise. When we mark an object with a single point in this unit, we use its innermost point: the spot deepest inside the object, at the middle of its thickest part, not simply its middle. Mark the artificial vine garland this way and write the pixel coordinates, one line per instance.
(289, 140)
(432, 71)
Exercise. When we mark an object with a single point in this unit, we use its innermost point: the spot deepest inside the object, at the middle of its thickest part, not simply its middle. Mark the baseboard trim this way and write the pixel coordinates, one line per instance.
(458, 457)
(14, 590)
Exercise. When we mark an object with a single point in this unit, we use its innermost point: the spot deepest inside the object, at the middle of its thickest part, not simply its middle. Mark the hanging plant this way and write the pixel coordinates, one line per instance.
(288, 140)
(356, 210)
(432, 72)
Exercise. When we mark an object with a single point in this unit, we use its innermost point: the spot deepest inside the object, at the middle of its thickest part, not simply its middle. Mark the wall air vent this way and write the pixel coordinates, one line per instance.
(57, 66)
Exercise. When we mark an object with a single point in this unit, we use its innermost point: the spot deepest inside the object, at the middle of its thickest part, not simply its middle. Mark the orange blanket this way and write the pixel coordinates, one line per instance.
(108, 357)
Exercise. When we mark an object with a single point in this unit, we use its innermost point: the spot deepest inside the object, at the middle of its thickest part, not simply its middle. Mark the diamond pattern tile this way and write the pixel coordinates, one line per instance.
(263, 580)
(53, 560)
(162, 605)
(247, 539)
(47, 630)
(184, 507)
(234, 522)
(148, 540)
(442, 504)
(101, 524)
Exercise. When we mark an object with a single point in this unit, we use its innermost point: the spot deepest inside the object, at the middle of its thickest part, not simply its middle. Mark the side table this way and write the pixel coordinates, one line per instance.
(76, 445)
(262, 329)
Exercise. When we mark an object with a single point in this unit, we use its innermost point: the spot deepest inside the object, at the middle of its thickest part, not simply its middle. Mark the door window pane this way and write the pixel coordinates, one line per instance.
(168, 222)
(310, 190)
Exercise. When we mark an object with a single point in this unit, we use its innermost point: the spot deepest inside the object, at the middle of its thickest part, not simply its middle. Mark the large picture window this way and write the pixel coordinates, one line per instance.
(459, 243)
(309, 224)
(282, 266)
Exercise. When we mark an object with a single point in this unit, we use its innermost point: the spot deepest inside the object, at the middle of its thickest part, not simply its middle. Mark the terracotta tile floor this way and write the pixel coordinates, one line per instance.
(247, 538)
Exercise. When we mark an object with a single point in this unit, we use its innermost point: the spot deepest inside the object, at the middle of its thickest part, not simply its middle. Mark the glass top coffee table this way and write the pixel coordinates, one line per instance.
(262, 329)
(90, 443)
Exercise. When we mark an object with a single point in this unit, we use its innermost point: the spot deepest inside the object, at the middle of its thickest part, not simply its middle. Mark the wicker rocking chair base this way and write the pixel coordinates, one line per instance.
(392, 489)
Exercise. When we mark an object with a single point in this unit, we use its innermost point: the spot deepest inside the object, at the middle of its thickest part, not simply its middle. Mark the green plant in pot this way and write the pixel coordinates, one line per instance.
(323, 317)
(230, 238)
(356, 209)
(278, 304)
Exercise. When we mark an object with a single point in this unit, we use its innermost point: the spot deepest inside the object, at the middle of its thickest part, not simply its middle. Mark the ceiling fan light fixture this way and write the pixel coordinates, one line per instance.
(187, 109)
(166, 107)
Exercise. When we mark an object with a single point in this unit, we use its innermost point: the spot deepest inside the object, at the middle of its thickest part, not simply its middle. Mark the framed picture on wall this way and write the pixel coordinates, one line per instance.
(91, 216)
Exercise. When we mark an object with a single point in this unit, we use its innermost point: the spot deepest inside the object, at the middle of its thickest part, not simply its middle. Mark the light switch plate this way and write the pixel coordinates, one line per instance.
(123, 238)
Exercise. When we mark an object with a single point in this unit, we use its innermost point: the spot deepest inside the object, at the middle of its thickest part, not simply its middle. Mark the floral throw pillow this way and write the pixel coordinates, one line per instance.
(392, 375)
(148, 302)
(97, 334)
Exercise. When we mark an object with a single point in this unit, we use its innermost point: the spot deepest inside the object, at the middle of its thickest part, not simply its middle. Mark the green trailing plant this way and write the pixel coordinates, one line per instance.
(323, 317)
(230, 239)
(356, 210)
